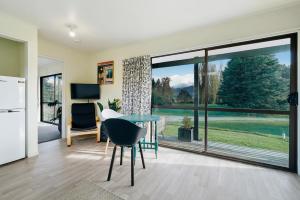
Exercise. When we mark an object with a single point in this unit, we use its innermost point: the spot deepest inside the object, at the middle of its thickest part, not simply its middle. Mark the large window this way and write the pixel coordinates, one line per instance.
(235, 97)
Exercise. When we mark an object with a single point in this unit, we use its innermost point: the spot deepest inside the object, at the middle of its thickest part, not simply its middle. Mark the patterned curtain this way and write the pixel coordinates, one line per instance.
(136, 89)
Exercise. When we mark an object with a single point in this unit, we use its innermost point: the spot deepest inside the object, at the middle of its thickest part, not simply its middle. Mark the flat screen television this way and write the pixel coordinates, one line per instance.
(85, 91)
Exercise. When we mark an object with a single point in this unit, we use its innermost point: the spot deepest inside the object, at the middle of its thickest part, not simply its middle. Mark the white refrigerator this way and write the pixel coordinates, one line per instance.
(12, 119)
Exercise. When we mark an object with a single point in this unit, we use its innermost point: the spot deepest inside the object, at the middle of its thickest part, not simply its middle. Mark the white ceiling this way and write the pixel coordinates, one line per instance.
(105, 24)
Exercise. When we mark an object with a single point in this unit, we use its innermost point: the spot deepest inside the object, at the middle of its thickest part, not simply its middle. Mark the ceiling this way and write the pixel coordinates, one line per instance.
(103, 24)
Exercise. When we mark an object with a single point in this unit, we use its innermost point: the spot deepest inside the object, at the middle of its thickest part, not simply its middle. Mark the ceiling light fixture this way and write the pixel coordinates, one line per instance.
(71, 28)
(72, 33)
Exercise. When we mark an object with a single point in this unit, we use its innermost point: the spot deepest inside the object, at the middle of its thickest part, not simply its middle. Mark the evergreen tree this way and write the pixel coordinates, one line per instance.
(162, 91)
(254, 82)
(184, 97)
(167, 93)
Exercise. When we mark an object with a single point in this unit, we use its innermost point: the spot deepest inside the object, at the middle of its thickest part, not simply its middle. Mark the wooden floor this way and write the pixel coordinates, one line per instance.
(174, 175)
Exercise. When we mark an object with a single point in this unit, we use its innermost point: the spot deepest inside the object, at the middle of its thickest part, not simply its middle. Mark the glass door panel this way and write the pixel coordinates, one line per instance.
(248, 116)
(173, 99)
(51, 97)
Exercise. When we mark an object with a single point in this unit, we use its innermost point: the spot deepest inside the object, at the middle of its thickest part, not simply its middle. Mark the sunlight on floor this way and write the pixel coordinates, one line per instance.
(84, 156)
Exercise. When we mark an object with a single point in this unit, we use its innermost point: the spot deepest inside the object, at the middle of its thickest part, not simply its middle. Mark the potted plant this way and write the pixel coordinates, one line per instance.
(115, 104)
(185, 132)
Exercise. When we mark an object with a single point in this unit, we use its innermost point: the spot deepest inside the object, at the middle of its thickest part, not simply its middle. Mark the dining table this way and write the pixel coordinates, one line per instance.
(142, 119)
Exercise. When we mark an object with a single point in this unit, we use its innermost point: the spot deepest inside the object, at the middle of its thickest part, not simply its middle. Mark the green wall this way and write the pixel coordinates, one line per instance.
(11, 58)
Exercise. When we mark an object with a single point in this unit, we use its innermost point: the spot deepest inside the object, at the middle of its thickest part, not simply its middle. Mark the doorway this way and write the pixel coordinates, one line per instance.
(51, 99)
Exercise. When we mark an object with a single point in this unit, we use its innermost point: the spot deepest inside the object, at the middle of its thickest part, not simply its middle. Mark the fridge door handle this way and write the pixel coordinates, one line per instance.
(11, 111)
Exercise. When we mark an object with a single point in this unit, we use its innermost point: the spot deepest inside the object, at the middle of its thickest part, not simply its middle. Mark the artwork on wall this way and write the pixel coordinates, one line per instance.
(105, 75)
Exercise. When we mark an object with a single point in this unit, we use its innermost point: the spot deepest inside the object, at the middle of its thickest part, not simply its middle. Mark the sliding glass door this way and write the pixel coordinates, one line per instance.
(239, 105)
(51, 97)
(248, 89)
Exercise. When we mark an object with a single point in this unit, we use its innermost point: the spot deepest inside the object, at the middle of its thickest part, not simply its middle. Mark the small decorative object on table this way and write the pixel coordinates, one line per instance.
(105, 74)
(185, 132)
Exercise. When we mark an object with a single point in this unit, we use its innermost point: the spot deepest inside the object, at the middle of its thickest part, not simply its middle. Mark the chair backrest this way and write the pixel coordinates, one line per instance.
(109, 113)
(99, 113)
(122, 132)
(83, 116)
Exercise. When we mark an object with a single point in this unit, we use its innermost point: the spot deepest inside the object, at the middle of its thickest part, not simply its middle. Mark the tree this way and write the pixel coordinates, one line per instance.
(167, 92)
(254, 82)
(201, 84)
(184, 96)
(156, 93)
(213, 84)
(162, 93)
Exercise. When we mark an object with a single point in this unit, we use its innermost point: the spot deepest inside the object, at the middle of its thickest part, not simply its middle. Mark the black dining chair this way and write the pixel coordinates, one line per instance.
(124, 134)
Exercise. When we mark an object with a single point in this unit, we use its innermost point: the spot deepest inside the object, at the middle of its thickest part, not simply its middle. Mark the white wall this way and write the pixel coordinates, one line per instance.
(261, 25)
(11, 58)
(76, 69)
(18, 30)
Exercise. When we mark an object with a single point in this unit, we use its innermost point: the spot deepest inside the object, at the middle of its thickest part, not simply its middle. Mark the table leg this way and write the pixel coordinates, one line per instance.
(144, 139)
(151, 134)
(156, 142)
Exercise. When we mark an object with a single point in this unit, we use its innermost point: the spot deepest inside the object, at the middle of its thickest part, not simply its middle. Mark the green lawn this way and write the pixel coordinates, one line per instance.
(263, 132)
(253, 140)
(263, 127)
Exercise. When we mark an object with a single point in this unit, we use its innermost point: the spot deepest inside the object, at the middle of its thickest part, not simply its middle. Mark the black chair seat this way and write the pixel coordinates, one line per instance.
(124, 134)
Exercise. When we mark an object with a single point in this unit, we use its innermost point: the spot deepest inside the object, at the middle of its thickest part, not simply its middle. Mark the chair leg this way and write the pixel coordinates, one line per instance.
(112, 163)
(121, 157)
(106, 147)
(132, 167)
(98, 137)
(69, 139)
(142, 156)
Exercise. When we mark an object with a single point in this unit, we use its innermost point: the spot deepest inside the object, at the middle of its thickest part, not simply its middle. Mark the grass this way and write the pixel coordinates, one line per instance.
(268, 142)
(275, 128)
(249, 130)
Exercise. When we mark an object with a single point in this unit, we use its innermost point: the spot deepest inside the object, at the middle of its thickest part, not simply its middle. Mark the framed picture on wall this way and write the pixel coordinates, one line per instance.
(105, 75)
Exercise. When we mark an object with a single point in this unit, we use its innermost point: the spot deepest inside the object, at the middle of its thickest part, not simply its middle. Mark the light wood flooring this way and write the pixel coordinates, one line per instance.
(174, 175)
